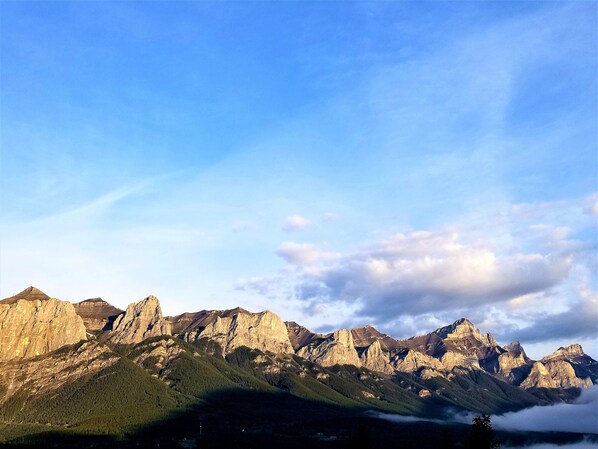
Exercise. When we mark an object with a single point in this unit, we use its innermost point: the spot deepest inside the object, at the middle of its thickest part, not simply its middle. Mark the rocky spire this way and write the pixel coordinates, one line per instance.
(140, 321)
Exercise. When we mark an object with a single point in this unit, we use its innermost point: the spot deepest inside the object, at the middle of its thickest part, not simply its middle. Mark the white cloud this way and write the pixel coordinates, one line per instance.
(579, 416)
(421, 271)
(296, 223)
(302, 254)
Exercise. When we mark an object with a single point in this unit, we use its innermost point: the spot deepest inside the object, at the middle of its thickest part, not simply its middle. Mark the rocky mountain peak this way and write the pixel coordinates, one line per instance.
(514, 346)
(31, 324)
(337, 348)
(97, 314)
(235, 328)
(140, 321)
(300, 335)
(29, 294)
(574, 350)
(366, 335)
(464, 329)
(461, 327)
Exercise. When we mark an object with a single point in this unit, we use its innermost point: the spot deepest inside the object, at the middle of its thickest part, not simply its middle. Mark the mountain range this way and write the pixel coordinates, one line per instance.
(90, 368)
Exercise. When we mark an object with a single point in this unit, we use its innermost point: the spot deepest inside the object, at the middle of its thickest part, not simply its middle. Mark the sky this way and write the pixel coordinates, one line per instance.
(400, 164)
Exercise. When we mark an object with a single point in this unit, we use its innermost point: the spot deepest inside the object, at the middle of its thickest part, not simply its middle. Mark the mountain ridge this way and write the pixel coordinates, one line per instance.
(161, 364)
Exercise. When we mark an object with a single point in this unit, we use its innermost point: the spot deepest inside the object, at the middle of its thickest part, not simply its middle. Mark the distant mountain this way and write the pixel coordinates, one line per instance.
(97, 369)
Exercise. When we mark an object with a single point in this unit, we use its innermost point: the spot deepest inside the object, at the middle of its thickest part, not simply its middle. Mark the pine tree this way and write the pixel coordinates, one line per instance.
(482, 435)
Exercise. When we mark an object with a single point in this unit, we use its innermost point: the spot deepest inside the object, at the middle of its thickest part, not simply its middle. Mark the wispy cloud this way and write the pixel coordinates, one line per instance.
(302, 254)
(296, 223)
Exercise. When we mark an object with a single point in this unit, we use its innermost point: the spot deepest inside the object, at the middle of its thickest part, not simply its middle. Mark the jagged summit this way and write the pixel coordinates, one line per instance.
(237, 327)
(574, 350)
(29, 294)
(140, 321)
(461, 326)
(464, 329)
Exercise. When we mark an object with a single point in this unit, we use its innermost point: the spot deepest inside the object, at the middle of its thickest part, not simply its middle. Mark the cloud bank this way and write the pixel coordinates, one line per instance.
(580, 416)
(411, 274)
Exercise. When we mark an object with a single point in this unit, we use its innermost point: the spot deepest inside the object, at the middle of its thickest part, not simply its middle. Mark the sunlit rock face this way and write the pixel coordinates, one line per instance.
(375, 358)
(583, 365)
(264, 331)
(411, 361)
(32, 323)
(140, 321)
(97, 314)
(336, 349)
(513, 365)
(49, 373)
(554, 374)
(464, 330)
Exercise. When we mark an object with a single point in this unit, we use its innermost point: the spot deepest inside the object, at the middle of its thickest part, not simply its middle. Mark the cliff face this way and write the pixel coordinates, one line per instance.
(336, 348)
(375, 358)
(97, 314)
(32, 324)
(410, 361)
(140, 321)
(513, 366)
(554, 374)
(264, 331)
(299, 335)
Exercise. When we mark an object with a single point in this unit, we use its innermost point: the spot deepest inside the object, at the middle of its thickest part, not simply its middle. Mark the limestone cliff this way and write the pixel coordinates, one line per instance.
(513, 365)
(32, 323)
(140, 321)
(375, 358)
(554, 374)
(336, 349)
(264, 331)
(583, 365)
(97, 314)
(411, 361)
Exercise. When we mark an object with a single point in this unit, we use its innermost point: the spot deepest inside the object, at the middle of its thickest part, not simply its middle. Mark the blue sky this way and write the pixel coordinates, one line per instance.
(340, 163)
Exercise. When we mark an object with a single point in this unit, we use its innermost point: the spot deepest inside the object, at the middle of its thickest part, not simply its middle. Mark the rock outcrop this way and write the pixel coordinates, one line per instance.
(465, 335)
(375, 358)
(97, 314)
(583, 365)
(554, 374)
(513, 365)
(140, 321)
(411, 361)
(366, 335)
(32, 323)
(299, 335)
(336, 349)
(49, 373)
(264, 331)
